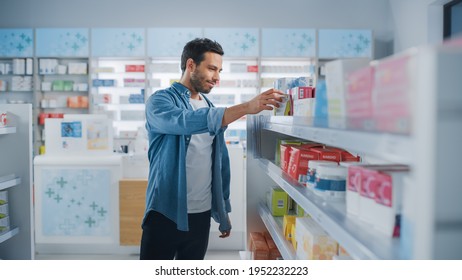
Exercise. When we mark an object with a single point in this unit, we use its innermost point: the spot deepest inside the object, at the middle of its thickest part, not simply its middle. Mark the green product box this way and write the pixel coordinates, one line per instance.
(58, 85)
(3, 210)
(3, 197)
(68, 85)
(277, 201)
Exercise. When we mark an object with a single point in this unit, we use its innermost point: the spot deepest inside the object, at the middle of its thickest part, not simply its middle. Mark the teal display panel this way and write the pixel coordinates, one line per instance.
(118, 42)
(281, 42)
(62, 42)
(236, 42)
(344, 43)
(169, 42)
(16, 42)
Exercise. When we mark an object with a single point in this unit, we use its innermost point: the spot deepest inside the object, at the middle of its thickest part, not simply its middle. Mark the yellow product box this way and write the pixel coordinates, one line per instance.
(287, 223)
(313, 243)
(293, 233)
(277, 201)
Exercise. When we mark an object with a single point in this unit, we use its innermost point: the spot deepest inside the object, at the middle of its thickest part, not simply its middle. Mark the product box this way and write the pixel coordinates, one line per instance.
(287, 222)
(277, 201)
(389, 197)
(395, 80)
(79, 68)
(4, 223)
(274, 253)
(4, 210)
(252, 68)
(370, 182)
(328, 154)
(359, 102)
(134, 68)
(353, 185)
(3, 197)
(258, 246)
(336, 74)
(298, 162)
(313, 243)
(277, 156)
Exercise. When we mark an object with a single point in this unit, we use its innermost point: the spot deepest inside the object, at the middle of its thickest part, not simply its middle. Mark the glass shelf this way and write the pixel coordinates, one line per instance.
(7, 130)
(4, 236)
(359, 239)
(392, 147)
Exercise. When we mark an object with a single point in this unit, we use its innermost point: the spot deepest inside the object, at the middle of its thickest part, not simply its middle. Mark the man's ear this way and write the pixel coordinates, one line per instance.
(190, 64)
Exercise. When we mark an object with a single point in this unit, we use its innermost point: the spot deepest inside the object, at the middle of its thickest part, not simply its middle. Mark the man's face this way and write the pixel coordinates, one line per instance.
(207, 73)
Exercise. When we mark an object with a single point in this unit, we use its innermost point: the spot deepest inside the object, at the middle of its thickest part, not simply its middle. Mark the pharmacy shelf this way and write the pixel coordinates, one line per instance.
(359, 239)
(10, 183)
(390, 147)
(7, 130)
(274, 227)
(7, 235)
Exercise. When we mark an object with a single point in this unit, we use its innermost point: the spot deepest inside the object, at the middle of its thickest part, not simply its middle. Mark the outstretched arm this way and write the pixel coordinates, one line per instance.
(259, 103)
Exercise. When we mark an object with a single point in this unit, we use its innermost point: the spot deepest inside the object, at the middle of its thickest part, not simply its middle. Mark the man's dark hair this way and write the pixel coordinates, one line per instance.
(196, 49)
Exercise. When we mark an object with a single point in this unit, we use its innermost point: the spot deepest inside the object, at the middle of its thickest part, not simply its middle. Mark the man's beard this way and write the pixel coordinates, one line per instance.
(196, 82)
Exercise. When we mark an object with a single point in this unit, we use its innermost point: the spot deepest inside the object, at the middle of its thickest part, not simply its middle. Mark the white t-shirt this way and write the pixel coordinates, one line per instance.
(199, 168)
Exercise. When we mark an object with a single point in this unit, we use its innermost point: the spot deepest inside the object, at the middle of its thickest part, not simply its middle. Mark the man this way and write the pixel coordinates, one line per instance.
(189, 165)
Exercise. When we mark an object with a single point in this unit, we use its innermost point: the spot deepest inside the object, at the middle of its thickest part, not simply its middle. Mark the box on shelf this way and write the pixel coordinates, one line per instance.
(274, 253)
(4, 223)
(336, 74)
(395, 80)
(277, 201)
(287, 222)
(359, 100)
(313, 243)
(3, 197)
(4, 210)
(77, 68)
(298, 162)
(134, 68)
(258, 246)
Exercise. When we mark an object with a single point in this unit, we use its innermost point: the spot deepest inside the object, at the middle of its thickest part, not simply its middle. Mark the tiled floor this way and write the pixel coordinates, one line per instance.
(211, 255)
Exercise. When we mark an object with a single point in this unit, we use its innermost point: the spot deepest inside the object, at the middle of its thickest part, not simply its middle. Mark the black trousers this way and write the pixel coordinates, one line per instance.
(161, 240)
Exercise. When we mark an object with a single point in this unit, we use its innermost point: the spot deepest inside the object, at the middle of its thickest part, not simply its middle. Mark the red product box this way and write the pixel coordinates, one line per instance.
(285, 156)
(134, 68)
(328, 154)
(252, 68)
(302, 93)
(298, 163)
(42, 117)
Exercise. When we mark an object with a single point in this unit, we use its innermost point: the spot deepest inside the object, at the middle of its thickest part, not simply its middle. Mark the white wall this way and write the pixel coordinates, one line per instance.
(416, 22)
(366, 14)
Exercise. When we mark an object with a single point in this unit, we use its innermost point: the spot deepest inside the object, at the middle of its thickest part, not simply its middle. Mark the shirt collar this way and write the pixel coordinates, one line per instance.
(181, 89)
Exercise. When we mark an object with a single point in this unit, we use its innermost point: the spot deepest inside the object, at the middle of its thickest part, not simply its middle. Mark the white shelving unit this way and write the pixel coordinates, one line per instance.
(115, 100)
(22, 90)
(433, 213)
(54, 100)
(16, 158)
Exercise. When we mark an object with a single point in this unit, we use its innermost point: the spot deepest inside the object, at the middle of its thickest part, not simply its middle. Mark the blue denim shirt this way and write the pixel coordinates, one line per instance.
(170, 122)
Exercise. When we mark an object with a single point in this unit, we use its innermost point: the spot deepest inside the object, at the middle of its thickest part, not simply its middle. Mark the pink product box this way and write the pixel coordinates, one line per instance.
(353, 185)
(359, 106)
(388, 198)
(371, 180)
(392, 93)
